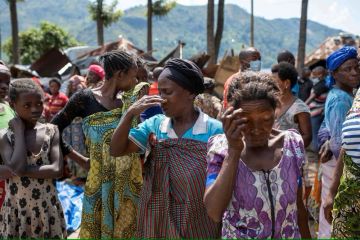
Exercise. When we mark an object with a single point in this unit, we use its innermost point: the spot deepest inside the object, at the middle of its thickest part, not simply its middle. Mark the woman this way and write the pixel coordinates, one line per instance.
(342, 65)
(174, 178)
(292, 112)
(113, 185)
(253, 169)
(343, 197)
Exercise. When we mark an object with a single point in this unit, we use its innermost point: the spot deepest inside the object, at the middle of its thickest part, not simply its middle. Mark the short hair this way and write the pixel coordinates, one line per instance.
(239, 90)
(252, 86)
(23, 85)
(285, 56)
(246, 52)
(55, 80)
(117, 60)
(318, 69)
(157, 71)
(286, 71)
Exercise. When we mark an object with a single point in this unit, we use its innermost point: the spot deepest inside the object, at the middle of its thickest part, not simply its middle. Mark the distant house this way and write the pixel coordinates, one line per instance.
(319, 55)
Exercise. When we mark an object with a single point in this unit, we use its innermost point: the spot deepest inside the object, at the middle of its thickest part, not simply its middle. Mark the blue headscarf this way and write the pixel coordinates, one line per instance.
(337, 58)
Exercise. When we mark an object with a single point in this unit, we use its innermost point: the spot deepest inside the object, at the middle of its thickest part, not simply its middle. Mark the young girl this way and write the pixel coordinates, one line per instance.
(31, 150)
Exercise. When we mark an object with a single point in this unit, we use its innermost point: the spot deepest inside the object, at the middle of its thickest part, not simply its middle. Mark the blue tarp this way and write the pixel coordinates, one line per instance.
(71, 198)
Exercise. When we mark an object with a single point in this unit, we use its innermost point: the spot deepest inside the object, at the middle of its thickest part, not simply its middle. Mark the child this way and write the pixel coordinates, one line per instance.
(6, 114)
(31, 150)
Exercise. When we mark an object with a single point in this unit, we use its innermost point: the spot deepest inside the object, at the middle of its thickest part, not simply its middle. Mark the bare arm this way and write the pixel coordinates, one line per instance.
(310, 98)
(84, 162)
(304, 122)
(302, 216)
(120, 144)
(329, 201)
(17, 159)
(53, 170)
(218, 195)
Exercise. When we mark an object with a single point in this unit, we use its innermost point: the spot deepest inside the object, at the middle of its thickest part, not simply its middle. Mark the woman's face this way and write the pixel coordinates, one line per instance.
(284, 86)
(178, 99)
(261, 117)
(348, 74)
(126, 81)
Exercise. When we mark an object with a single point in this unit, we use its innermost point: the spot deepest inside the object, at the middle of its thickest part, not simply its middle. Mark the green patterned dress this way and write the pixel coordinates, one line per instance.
(113, 185)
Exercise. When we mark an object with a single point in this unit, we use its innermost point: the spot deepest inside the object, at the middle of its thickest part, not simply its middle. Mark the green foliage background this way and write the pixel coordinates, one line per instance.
(186, 23)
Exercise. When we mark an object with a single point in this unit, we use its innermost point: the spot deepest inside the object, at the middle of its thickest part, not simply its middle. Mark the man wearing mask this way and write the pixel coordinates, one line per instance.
(250, 60)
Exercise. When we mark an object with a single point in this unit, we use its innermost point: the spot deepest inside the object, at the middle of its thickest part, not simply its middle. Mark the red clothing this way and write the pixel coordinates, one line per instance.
(54, 103)
(226, 89)
(154, 89)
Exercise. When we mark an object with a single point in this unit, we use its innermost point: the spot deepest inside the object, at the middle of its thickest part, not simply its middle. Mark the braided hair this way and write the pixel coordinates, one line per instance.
(117, 60)
(23, 85)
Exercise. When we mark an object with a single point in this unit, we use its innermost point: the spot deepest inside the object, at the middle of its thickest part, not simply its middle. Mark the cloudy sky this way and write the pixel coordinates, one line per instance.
(342, 14)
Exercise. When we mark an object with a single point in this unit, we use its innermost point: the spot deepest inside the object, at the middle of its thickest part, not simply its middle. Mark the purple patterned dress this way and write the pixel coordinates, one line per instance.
(253, 211)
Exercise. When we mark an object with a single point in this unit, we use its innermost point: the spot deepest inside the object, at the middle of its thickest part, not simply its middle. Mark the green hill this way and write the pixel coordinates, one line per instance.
(186, 23)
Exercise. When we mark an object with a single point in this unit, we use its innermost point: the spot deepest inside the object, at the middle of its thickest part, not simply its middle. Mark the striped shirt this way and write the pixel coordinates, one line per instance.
(351, 131)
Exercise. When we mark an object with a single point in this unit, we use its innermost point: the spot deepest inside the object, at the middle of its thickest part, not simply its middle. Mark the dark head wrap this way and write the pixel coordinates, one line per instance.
(184, 73)
(337, 58)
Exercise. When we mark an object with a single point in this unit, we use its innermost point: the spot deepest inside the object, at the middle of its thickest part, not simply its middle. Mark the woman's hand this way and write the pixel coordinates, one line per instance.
(144, 103)
(325, 153)
(234, 123)
(328, 207)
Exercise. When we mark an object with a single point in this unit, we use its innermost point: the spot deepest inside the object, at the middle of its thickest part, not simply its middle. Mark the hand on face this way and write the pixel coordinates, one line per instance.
(144, 103)
(234, 123)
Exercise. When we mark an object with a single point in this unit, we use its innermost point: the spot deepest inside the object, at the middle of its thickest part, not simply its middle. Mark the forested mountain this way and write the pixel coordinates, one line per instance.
(186, 23)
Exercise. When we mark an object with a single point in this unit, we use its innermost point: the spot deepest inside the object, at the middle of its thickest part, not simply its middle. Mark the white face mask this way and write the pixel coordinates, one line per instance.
(315, 80)
(255, 65)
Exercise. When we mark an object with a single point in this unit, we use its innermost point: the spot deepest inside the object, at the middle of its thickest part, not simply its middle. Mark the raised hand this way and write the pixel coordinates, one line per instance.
(234, 123)
(144, 103)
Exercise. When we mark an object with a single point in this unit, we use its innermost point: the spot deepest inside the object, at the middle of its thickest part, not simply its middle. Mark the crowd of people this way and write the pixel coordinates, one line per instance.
(161, 156)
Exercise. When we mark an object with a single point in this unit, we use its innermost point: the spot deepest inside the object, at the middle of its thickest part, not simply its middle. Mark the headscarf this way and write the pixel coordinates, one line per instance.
(337, 58)
(98, 70)
(184, 73)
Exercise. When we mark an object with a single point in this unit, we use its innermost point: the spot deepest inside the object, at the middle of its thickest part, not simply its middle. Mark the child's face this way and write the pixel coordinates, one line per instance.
(4, 85)
(29, 106)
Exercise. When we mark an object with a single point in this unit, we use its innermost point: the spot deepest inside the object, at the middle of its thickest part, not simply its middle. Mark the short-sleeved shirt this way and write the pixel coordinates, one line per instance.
(287, 121)
(161, 126)
(249, 212)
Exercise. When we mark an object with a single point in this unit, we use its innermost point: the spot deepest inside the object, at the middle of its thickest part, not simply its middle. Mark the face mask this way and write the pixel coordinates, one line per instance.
(315, 80)
(255, 65)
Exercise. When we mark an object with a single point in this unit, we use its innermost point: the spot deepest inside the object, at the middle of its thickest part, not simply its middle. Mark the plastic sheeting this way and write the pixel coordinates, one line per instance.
(71, 198)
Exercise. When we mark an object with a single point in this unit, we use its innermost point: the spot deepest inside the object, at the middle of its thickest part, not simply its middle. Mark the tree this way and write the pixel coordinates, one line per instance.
(104, 15)
(159, 8)
(302, 36)
(214, 41)
(34, 42)
(14, 30)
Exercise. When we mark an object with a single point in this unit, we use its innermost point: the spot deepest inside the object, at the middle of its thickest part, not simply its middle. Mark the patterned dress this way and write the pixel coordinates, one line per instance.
(208, 104)
(263, 203)
(31, 207)
(113, 184)
(346, 211)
